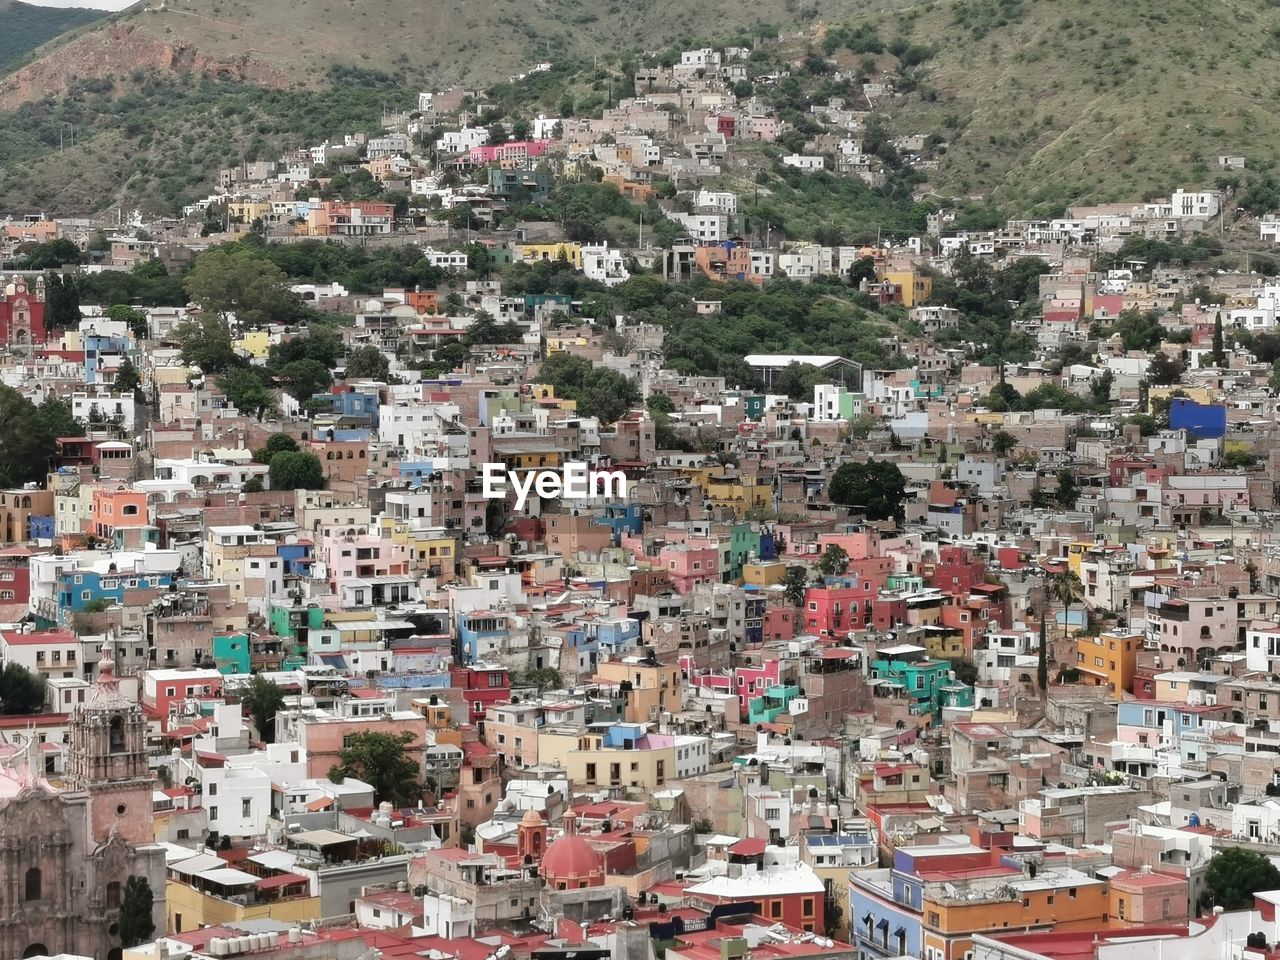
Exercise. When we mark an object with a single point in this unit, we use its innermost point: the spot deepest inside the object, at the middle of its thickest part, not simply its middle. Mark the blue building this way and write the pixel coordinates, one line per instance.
(297, 558)
(95, 348)
(77, 589)
(882, 920)
(1200, 420)
(482, 633)
(40, 528)
(622, 518)
(353, 405)
(414, 471)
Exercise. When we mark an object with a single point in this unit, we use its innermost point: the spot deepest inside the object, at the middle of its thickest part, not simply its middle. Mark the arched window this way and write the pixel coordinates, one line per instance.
(113, 895)
(115, 741)
(33, 890)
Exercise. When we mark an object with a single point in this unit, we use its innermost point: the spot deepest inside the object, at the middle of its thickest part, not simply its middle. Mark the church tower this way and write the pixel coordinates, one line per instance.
(107, 758)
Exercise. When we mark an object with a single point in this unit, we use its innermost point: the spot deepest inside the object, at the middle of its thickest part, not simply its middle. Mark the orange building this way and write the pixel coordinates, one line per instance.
(118, 509)
(1060, 901)
(1140, 898)
(1110, 659)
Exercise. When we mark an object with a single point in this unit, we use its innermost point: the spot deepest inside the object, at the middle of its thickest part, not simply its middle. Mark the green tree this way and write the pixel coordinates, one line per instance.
(305, 378)
(1219, 344)
(1004, 443)
(55, 416)
(235, 280)
(1163, 370)
(1003, 397)
(601, 393)
(252, 485)
(243, 386)
(659, 403)
(26, 442)
(878, 489)
(381, 760)
(1233, 877)
(794, 584)
(205, 342)
(833, 561)
(136, 319)
(367, 363)
(1068, 490)
(296, 471)
(1066, 588)
(21, 691)
(137, 920)
(864, 268)
(263, 700)
(1237, 459)
(321, 344)
(51, 254)
(276, 443)
(127, 380)
(61, 302)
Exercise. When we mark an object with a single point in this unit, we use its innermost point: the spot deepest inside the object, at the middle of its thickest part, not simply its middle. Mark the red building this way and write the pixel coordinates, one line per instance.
(727, 124)
(835, 609)
(21, 313)
(15, 583)
(958, 571)
(794, 895)
(481, 686)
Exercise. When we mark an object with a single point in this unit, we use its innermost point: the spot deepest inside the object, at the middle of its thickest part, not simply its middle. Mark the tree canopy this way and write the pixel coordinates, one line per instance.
(233, 280)
(1234, 875)
(296, 471)
(878, 489)
(21, 691)
(263, 700)
(601, 393)
(381, 760)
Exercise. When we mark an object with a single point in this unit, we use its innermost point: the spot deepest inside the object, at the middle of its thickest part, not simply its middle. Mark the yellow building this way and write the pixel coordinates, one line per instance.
(559, 344)
(1198, 394)
(916, 287)
(589, 761)
(247, 211)
(427, 548)
(206, 901)
(654, 687)
(569, 252)
(256, 343)
(764, 573)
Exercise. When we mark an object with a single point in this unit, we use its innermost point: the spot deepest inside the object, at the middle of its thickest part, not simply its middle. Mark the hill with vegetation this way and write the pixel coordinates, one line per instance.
(1022, 107)
(24, 27)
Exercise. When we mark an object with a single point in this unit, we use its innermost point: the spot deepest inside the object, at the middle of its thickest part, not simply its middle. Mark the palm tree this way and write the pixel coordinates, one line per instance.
(1066, 588)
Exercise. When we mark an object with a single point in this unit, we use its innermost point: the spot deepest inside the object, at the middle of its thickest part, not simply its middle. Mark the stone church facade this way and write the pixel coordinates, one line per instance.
(65, 853)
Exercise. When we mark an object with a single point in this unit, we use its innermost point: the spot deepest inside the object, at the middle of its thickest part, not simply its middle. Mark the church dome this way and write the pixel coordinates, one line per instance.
(531, 818)
(571, 862)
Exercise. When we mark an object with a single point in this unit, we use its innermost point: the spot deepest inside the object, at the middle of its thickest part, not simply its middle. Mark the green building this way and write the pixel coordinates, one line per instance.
(928, 682)
(776, 700)
(231, 653)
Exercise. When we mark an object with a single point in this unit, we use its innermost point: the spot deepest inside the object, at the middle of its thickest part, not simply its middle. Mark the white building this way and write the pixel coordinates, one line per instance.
(97, 408)
(808, 164)
(446, 259)
(719, 201)
(606, 265)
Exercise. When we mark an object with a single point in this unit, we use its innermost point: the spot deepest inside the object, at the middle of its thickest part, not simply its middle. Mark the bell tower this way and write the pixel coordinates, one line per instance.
(107, 758)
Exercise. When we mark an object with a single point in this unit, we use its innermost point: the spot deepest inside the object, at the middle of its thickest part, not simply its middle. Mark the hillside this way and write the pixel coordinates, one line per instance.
(1028, 107)
(440, 42)
(1044, 104)
(24, 27)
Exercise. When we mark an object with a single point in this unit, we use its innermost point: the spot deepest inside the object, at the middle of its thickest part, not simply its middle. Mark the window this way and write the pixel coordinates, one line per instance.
(807, 907)
(775, 909)
(246, 807)
(113, 895)
(213, 813)
(213, 789)
(33, 885)
(1120, 909)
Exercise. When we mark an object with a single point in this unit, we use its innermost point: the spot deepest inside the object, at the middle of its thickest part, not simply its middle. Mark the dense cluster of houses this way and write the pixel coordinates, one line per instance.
(717, 716)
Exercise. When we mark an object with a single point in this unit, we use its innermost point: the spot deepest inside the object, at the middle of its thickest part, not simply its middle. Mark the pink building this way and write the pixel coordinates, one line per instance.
(688, 565)
(745, 682)
(515, 152)
(361, 556)
(322, 737)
